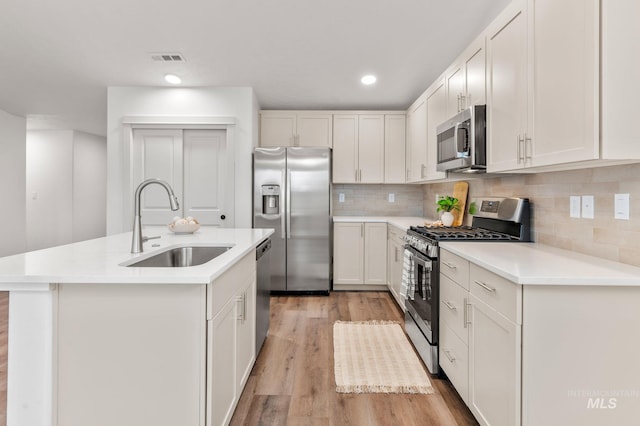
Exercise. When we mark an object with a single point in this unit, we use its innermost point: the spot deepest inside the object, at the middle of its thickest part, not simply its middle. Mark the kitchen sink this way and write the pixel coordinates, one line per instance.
(179, 257)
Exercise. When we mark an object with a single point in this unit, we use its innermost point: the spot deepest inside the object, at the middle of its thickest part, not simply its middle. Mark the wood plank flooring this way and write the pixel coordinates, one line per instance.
(292, 382)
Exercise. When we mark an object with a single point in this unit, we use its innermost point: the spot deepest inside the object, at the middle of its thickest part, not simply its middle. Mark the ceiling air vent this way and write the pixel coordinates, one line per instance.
(167, 57)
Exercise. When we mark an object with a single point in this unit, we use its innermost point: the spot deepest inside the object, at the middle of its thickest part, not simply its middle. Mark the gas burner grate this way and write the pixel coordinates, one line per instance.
(461, 233)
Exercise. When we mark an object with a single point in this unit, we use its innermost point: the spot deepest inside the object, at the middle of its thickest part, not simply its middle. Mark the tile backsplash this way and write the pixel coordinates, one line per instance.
(603, 236)
(373, 200)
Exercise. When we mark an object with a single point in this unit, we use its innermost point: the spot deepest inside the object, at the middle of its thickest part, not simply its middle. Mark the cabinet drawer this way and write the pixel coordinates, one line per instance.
(502, 295)
(452, 307)
(455, 268)
(454, 356)
(396, 234)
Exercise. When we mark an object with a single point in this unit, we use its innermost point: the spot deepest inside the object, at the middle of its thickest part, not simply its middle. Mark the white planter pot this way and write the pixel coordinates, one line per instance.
(447, 218)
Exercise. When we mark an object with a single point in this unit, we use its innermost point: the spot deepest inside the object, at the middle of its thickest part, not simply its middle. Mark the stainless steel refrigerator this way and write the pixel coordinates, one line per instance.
(291, 193)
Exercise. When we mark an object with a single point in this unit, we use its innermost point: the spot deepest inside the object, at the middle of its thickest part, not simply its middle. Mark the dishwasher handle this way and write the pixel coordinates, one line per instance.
(264, 247)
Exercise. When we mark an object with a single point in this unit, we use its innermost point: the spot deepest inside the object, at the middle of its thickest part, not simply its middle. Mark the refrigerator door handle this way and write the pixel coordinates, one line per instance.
(288, 203)
(282, 213)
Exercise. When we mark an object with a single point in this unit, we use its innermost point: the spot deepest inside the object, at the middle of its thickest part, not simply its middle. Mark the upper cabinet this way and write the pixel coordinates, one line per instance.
(368, 148)
(358, 148)
(423, 116)
(465, 79)
(508, 85)
(296, 128)
(543, 104)
(417, 140)
(395, 128)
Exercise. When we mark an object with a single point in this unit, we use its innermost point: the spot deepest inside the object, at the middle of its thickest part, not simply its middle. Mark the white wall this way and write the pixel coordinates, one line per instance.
(13, 136)
(66, 187)
(237, 102)
(89, 186)
(49, 188)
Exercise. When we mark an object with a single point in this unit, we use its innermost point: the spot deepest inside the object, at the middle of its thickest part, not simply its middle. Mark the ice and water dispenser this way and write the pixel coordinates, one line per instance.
(270, 199)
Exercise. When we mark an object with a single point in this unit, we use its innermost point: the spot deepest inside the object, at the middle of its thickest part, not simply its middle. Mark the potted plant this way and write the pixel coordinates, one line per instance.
(446, 204)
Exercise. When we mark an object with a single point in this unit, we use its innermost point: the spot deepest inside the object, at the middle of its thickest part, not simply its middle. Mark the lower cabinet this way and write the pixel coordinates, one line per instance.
(359, 254)
(481, 339)
(230, 339)
(494, 366)
(395, 260)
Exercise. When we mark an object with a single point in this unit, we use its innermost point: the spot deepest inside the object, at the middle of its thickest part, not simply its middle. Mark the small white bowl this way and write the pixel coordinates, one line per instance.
(187, 228)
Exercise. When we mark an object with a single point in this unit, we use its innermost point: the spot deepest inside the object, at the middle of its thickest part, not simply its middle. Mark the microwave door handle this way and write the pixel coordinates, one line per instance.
(455, 137)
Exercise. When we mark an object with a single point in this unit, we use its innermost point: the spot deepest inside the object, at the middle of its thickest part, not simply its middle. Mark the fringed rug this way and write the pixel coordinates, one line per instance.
(376, 357)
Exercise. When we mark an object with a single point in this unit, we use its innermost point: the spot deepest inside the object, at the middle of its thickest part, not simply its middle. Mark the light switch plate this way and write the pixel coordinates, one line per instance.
(341, 197)
(587, 206)
(392, 197)
(574, 206)
(621, 206)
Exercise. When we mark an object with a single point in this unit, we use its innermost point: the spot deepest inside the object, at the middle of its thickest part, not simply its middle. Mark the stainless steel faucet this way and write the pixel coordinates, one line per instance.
(137, 238)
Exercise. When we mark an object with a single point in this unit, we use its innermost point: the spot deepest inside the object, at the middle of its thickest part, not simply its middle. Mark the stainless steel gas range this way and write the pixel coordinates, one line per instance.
(496, 219)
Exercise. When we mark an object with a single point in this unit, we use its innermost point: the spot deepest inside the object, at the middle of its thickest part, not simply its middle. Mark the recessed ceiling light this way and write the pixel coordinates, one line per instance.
(173, 79)
(368, 79)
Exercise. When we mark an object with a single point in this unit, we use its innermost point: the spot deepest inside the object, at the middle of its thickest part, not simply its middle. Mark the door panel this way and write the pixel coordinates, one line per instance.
(308, 250)
(157, 154)
(205, 177)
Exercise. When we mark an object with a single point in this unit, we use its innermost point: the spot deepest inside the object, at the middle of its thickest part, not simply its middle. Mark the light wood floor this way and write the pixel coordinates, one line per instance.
(292, 382)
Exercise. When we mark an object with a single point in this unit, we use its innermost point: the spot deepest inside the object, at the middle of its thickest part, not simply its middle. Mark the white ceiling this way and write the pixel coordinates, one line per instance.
(57, 58)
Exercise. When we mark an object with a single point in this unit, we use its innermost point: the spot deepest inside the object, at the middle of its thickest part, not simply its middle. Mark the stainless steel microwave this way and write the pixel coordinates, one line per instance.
(462, 141)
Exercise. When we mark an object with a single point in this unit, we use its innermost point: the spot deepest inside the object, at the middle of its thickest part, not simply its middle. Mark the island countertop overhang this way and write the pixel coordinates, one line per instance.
(99, 261)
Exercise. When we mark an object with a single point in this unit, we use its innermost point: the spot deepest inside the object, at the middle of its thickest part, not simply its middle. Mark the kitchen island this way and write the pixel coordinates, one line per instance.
(95, 342)
(536, 335)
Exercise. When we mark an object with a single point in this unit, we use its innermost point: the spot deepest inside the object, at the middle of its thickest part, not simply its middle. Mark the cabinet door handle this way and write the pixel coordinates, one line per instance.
(486, 287)
(239, 301)
(356, 179)
(467, 321)
(395, 253)
(361, 230)
(449, 265)
(449, 305)
(521, 148)
(449, 356)
(463, 98)
(360, 178)
(408, 175)
(528, 153)
(422, 167)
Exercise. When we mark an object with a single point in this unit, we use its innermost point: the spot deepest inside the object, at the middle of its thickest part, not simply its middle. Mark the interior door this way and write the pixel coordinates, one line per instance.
(308, 250)
(207, 190)
(157, 153)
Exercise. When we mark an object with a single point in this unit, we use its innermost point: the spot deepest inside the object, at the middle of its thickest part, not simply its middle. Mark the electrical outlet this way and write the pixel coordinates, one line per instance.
(341, 197)
(574, 206)
(587, 206)
(621, 206)
(392, 197)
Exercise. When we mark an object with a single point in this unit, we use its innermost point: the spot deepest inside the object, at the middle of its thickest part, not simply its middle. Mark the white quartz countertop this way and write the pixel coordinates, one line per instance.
(403, 222)
(537, 264)
(98, 260)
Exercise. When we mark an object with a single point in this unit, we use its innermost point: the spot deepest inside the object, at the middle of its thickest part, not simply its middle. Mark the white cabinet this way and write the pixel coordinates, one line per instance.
(296, 128)
(360, 253)
(436, 114)
(358, 148)
(542, 103)
(481, 339)
(395, 128)
(196, 165)
(230, 339)
(423, 117)
(465, 80)
(507, 89)
(417, 139)
(395, 260)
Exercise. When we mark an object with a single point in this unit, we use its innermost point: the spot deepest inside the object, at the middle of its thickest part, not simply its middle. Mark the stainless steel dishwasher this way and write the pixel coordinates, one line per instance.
(263, 259)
